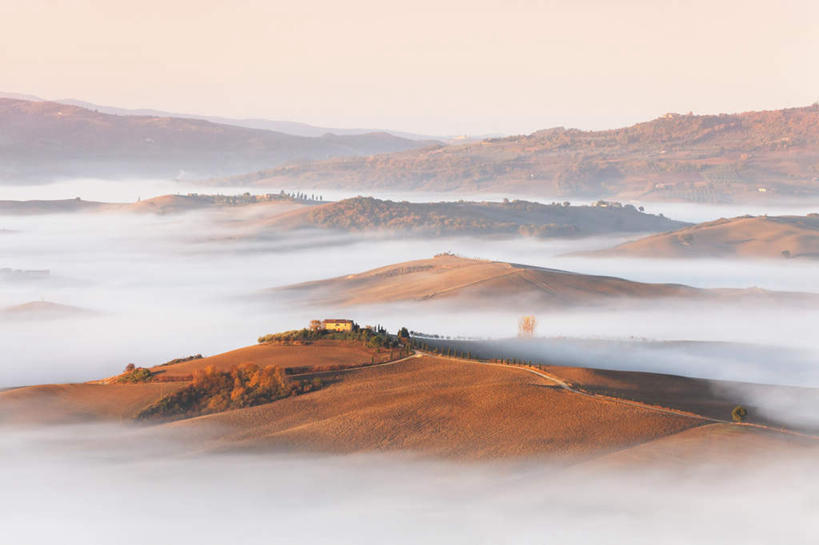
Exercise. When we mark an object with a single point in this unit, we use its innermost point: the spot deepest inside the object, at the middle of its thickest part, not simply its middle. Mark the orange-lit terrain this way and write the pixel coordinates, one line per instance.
(425, 404)
(760, 237)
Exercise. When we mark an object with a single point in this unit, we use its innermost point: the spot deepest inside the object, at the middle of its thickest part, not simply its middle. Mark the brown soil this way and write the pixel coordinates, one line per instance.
(431, 406)
(321, 353)
(438, 407)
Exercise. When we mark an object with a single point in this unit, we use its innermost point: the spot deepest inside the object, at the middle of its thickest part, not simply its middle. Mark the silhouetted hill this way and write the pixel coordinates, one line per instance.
(708, 158)
(363, 214)
(46, 140)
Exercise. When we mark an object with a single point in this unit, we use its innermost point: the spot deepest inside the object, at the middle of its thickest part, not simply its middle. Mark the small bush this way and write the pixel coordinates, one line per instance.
(130, 367)
(739, 413)
(139, 374)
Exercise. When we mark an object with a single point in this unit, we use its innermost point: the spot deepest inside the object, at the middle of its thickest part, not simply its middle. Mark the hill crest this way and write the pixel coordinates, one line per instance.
(703, 158)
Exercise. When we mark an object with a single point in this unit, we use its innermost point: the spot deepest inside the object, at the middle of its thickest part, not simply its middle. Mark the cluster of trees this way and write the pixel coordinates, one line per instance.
(134, 374)
(181, 360)
(375, 337)
(298, 196)
(249, 198)
(213, 391)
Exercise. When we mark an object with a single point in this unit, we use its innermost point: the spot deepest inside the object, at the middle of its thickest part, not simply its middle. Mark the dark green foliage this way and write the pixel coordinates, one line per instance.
(373, 338)
(138, 374)
(181, 360)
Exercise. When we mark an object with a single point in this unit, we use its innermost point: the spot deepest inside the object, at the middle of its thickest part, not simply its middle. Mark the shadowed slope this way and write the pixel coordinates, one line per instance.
(366, 214)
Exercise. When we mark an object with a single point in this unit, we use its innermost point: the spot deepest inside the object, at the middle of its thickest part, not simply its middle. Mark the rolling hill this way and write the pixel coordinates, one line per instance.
(422, 404)
(702, 158)
(481, 282)
(366, 214)
(42, 141)
(42, 310)
(774, 237)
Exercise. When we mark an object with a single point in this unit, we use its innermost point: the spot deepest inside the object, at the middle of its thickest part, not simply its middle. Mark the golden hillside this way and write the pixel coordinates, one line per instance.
(775, 237)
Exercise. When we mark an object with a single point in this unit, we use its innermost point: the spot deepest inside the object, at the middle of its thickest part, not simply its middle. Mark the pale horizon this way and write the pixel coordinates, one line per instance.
(465, 68)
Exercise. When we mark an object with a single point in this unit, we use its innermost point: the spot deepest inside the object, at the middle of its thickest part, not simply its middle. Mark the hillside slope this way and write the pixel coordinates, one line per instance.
(746, 237)
(41, 141)
(366, 214)
(708, 158)
(423, 404)
(476, 281)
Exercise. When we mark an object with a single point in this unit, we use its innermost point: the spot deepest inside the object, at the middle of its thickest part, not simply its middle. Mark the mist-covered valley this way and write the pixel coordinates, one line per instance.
(537, 302)
(159, 287)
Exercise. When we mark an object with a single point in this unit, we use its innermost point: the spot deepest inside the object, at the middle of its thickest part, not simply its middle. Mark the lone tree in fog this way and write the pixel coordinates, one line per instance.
(526, 326)
(739, 413)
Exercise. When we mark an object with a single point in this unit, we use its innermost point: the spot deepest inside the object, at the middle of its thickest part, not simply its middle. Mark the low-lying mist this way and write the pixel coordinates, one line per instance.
(167, 286)
(98, 484)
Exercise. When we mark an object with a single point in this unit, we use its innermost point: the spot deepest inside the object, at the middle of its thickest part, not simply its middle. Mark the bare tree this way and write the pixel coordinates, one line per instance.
(526, 326)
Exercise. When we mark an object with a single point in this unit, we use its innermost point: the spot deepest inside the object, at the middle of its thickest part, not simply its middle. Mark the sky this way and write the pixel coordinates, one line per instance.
(441, 67)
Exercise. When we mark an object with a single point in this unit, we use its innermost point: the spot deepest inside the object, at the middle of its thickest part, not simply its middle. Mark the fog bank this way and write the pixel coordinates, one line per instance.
(111, 485)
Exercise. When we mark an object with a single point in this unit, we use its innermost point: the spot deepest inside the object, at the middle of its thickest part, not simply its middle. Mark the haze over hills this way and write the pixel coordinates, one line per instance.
(284, 212)
(41, 310)
(701, 158)
(774, 237)
(451, 278)
(287, 127)
(367, 214)
(272, 203)
(43, 141)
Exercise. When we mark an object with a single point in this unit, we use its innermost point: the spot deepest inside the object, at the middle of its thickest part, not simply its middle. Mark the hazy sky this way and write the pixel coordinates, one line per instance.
(434, 66)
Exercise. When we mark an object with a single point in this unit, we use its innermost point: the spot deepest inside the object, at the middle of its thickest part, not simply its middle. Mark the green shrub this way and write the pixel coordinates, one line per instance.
(139, 374)
(739, 413)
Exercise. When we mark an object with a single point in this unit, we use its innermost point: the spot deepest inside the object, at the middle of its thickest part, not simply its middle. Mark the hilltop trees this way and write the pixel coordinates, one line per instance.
(136, 374)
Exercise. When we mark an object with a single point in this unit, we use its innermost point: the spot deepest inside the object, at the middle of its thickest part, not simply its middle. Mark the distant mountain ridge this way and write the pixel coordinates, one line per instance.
(42, 141)
(288, 127)
(701, 158)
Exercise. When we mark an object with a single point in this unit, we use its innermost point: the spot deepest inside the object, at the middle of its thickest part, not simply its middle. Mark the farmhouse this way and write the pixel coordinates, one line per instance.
(337, 325)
